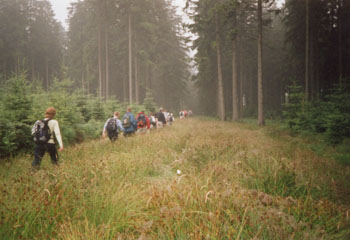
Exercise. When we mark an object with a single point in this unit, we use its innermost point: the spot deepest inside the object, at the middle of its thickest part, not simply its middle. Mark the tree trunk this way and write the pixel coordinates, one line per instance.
(261, 120)
(241, 81)
(340, 42)
(32, 65)
(307, 44)
(99, 62)
(235, 106)
(235, 90)
(87, 79)
(311, 66)
(137, 97)
(130, 62)
(83, 82)
(220, 100)
(47, 73)
(147, 75)
(125, 83)
(107, 62)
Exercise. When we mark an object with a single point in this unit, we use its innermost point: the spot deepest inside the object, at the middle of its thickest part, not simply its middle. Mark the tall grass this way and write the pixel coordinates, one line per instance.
(235, 182)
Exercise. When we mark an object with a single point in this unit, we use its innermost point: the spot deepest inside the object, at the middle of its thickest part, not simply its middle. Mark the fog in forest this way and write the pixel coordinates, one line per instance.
(230, 59)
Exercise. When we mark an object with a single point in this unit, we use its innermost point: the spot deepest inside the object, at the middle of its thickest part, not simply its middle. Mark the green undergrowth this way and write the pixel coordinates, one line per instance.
(314, 142)
(198, 179)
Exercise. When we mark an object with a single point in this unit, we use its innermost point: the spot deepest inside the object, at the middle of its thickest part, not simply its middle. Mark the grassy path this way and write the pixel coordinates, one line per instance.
(237, 181)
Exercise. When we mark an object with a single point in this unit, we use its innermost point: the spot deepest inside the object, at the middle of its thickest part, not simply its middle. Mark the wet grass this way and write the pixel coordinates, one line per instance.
(235, 181)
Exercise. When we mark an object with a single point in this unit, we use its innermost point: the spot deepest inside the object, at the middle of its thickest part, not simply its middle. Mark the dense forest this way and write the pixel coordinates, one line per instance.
(255, 59)
(252, 59)
(114, 53)
(304, 43)
(112, 48)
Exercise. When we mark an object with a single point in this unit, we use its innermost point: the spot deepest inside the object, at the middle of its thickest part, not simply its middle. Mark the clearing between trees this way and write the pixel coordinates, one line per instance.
(198, 179)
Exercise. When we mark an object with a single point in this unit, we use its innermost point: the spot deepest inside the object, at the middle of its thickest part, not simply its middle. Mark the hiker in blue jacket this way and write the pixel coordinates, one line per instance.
(129, 123)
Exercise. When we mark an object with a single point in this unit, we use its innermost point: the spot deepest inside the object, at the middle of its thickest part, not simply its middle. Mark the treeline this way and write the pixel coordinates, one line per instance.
(129, 46)
(113, 49)
(81, 116)
(30, 38)
(248, 56)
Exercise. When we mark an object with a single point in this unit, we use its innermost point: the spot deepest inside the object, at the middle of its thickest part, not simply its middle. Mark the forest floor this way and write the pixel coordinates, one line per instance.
(198, 179)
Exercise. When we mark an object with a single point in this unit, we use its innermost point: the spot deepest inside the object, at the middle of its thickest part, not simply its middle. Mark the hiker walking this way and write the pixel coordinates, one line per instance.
(170, 119)
(112, 127)
(129, 123)
(44, 132)
(181, 114)
(143, 122)
(153, 121)
(161, 119)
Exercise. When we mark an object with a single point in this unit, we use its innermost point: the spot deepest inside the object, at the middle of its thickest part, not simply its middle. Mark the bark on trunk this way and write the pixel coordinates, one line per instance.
(307, 42)
(261, 120)
(137, 97)
(107, 62)
(235, 106)
(99, 62)
(340, 42)
(241, 78)
(220, 100)
(83, 82)
(235, 94)
(47, 73)
(130, 62)
(125, 83)
(311, 66)
(87, 79)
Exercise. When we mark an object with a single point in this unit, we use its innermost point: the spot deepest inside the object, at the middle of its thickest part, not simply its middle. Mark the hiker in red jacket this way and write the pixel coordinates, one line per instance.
(143, 122)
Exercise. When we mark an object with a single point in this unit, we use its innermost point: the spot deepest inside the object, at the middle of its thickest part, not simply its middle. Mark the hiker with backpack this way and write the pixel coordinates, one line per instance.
(143, 122)
(181, 114)
(170, 119)
(161, 119)
(112, 127)
(129, 123)
(153, 121)
(43, 132)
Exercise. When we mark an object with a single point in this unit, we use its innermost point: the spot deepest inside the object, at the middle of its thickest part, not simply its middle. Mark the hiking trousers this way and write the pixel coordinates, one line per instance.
(39, 152)
(113, 137)
(128, 134)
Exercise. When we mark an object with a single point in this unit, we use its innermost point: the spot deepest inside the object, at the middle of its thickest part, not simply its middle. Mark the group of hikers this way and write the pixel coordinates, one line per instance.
(44, 131)
(184, 113)
(129, 124)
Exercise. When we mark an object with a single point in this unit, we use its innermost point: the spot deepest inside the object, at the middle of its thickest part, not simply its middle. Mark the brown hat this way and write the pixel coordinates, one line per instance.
(50, 112)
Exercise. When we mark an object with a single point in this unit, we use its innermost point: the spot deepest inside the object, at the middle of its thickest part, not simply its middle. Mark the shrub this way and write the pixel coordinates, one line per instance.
(21, 104)
(330, 116)
(149, 102)
(15, 122)
(338, 126)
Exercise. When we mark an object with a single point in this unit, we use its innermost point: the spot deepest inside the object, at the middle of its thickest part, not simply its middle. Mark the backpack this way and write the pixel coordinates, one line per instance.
(126, 122)
(111, 126)
(141, 121)
(152, 120)
(42, 132)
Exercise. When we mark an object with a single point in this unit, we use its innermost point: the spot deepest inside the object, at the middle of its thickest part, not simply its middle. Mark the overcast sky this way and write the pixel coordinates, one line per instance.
(61, 12)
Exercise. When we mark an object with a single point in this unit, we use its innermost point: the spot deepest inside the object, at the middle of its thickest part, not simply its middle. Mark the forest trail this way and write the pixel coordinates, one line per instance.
(198, 179)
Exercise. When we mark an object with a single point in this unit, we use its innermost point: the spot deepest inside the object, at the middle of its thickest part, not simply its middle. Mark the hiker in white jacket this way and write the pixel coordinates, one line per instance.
(50, 146)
